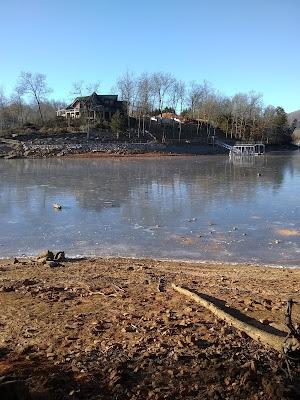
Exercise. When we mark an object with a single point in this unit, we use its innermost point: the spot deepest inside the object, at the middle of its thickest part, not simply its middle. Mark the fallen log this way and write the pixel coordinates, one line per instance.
(266, 338)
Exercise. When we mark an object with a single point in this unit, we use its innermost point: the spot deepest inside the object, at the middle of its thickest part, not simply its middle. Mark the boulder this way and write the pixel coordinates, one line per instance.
(60, 256)
(52, 264)
(47, 254)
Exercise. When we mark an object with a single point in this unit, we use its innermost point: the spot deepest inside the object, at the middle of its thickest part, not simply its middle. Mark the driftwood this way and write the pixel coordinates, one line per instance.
(266, 338)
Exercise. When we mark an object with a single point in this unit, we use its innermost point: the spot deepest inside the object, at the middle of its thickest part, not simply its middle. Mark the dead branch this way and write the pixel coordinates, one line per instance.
(265, 338)
(102, 294)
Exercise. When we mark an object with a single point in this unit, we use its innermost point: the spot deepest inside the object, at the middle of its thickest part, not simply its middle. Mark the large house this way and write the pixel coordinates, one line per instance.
(94, 107)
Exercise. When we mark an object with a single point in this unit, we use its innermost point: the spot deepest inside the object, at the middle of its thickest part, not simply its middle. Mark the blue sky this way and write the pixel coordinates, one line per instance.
(237, 45)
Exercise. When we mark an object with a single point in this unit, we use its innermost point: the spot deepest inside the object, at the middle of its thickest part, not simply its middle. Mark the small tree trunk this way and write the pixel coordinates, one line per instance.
(173, 137)
(88, 126)
(179, 132)
(144, 125)
(128, 122)
(139, 126)
(40, 111)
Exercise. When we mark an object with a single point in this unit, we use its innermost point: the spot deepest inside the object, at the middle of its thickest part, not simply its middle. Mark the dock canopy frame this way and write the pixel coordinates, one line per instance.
(248, 149)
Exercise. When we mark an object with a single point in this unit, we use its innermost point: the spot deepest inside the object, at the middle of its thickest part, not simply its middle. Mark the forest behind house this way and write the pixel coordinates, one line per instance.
(242, 117)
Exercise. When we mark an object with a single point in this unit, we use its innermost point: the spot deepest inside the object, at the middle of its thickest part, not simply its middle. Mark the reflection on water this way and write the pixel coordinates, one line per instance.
(205, 207)
(247, 161)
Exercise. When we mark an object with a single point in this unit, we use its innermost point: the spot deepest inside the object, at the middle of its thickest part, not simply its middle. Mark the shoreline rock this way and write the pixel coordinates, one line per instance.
(78, 145)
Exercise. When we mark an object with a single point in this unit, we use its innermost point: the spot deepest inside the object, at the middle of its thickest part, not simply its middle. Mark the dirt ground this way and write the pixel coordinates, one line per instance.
(101, 329)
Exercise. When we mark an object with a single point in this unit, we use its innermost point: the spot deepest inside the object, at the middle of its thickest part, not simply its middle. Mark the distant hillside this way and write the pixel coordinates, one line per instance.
(294, 115)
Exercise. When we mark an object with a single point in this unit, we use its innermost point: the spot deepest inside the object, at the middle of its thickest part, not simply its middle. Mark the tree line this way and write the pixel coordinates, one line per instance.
(242, 116)
(29, 103)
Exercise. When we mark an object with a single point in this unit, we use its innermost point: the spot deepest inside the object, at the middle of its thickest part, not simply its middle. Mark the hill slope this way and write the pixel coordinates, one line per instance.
(294, 115)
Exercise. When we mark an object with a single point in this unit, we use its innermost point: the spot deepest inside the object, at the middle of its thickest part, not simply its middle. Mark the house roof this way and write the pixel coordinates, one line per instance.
(170, 115)
(95, 99)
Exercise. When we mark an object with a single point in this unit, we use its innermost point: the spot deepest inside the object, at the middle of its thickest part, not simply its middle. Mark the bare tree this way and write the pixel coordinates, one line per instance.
(34, 85)
(18, 104)
(127, 86)
(254, 112)
(144, 100)
(194, 98)
(77, 89)
(82, 88)
(201, 99)
(162, 86)
(224, 114)
(3, 104)
(181, 91)
(93, 87)
(268, 123)
(174, 96)
(144, 93)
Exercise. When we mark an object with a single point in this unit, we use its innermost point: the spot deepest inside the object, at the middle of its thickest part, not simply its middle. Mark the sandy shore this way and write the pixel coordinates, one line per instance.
(101, 329)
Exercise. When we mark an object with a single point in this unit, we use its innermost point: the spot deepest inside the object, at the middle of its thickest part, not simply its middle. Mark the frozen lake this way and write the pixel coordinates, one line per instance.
(191, 208)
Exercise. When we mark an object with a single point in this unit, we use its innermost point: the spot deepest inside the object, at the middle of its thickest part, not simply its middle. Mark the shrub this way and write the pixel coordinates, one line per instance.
(118, 124)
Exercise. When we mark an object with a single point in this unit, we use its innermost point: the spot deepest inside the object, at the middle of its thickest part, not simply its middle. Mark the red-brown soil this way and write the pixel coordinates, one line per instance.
(100, 329)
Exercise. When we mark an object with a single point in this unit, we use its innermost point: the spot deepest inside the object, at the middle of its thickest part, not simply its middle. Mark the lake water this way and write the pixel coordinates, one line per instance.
(191, 208)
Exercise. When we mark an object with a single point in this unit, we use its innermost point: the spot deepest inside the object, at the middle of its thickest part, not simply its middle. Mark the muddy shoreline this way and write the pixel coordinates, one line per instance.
(99, 328)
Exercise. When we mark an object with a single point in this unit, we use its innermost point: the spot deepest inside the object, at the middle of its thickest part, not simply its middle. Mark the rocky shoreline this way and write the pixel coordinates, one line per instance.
(115, 328)
(78, 144)
(71, 144)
